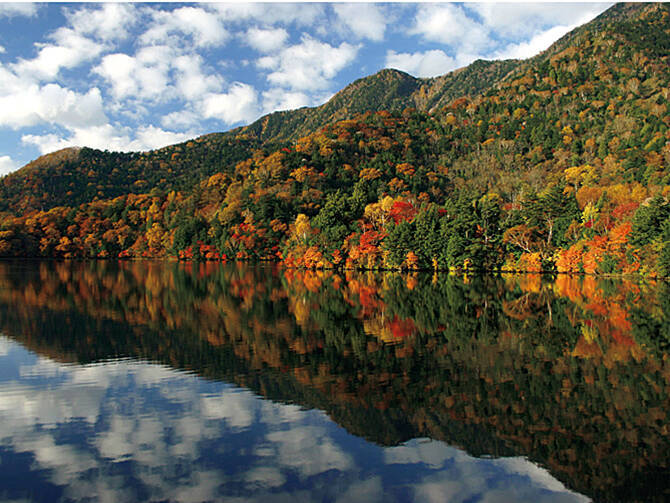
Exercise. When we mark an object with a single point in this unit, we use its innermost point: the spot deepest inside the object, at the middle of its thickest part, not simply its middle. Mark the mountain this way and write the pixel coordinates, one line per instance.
(386, 90)
(72, 176)
(555, 163)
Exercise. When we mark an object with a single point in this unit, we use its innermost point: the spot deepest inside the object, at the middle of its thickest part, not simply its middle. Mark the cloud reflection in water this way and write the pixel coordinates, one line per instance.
(129, 431)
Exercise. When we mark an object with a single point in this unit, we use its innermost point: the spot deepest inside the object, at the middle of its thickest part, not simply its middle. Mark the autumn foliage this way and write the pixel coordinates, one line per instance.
(561, 167)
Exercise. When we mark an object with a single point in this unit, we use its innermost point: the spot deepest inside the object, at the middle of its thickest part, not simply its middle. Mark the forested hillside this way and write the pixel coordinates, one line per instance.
(386, 90)
(75, 176)
(560, 163)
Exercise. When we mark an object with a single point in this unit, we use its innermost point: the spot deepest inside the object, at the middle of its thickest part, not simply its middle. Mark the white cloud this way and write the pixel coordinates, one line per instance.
(108, 137)
(45, 143)
(239, 104)
(158, 74)
(510, 18)
(370, 491)
(538, 475)
(18, 9)
(543, 39)
(280, 99)
(103, 137)
(109, 22)
(143, 76)
(204, 27)
(538, 43)
(181, 119)
(2, 50)
(449, 24)
(52, 104)
(479, 30)
(308, 66)
(365, 20)
(7, 165)
(266, 476)
(267, 62)
(421, 64)
(151, 137)
(119, 70)
(190, 80)
(266, 40)
(304, 14)
(70, 50)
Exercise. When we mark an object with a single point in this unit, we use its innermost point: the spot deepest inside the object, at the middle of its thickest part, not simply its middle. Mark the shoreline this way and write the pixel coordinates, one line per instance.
(337, 270)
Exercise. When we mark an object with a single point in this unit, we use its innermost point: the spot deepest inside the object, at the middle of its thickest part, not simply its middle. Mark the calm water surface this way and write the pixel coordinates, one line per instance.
(172, 382)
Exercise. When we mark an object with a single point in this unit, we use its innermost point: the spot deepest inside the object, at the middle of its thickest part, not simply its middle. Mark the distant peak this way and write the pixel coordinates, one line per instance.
(392, 72)
(62, 155)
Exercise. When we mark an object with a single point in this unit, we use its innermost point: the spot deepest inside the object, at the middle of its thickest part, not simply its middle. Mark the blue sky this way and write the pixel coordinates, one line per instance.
(141, 76)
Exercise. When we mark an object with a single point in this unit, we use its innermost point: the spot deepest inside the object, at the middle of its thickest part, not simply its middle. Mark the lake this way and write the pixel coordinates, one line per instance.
(160, 381)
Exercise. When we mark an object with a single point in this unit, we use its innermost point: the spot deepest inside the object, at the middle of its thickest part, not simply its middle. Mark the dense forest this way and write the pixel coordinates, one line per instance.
(557, 163)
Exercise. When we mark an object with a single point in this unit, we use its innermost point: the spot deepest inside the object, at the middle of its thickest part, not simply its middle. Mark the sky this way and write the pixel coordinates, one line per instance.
(139, 76)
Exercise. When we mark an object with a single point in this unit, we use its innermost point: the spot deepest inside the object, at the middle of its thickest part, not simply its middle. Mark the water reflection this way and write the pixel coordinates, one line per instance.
(572, 374)
(133, 431)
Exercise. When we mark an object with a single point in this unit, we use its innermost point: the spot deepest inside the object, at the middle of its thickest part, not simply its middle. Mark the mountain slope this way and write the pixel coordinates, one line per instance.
(386, 90)
(74, 176)
(67, 179)
(562, 165)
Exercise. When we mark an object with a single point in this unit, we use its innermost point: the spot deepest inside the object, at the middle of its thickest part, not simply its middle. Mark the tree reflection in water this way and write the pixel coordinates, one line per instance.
(571, 373)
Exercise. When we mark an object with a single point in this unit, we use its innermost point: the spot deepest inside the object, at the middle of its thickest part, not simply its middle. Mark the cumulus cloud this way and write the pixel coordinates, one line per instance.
(508, 19)
(364, 20)
(70, 50)
(191, 80)
(204, 27)
(539, 476)
(7, 165)
(110, 22)
(449, 24)
(51, 104)
(239, 104)
(108, 137)
(309, 450)
(143, 76)
(308, 66)
(18, 9)
(159, 74)
(304, 14)
(102, 137)
(266, 40)
(280, 99)
(151, 137)
(544, 38)
(433, 454)
(179, 119)
(421, 64)
(533, 46)
(498, 30)
(370, 490)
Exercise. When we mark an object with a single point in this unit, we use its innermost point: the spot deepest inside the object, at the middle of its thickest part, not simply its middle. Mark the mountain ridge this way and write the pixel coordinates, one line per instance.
(425, 94)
